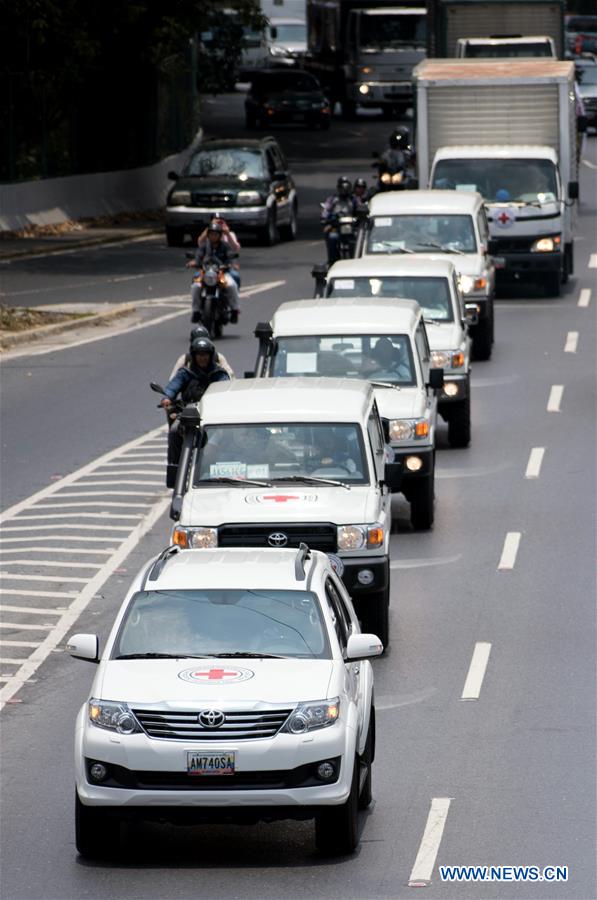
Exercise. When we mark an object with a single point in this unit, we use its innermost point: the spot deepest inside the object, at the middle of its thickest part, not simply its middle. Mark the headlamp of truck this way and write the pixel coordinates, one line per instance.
(248, 198)
(113, 716)
(195, 538)
(546, 244)
(397, 177)
(385, 178)
(179, 198)
(440, 359)
(408, 429)
(468, 284)
(351, 537)
(313, 715)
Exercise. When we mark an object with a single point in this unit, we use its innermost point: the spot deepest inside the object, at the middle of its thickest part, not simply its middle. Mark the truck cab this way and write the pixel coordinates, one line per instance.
(379, 339)
(278, 462)
(438, 225)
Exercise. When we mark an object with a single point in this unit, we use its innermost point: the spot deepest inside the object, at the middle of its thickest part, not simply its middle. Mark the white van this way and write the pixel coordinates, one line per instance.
(430, 223)
(281, 462)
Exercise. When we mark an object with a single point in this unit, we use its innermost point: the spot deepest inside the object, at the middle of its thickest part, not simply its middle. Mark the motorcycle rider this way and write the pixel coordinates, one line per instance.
(185, 359)
(214, 247)
(396, 159)
(191, 382)
(343, 198)
(361, 196)
(229, 238)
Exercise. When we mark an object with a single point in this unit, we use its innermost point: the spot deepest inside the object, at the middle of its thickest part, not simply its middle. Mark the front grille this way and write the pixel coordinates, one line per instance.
(512, 245)
(241, 725)
(215, 198)
(319, 536)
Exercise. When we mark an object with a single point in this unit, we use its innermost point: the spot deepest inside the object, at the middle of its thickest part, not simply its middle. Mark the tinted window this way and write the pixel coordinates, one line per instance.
(238, 163)
(421, 233)
(499, 51)
(385, 32)
(290, 33)
(432, 294)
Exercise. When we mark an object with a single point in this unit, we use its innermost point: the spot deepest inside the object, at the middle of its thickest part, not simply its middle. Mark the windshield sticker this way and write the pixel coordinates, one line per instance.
(504, 218)
(383, 222)
(298, 363)
(343, 284)
(228, 470)
(281, 498)
(466, 187)
(258, 470)
(216, 675)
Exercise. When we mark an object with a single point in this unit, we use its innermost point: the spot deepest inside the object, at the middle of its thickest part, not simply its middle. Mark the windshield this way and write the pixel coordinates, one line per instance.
(237, 163)
(432, 294)
(278, 452)
(500, 180)
(211, 622)
(385, 32)
(371, 357)
(421, 234)
(507, 50)
(291, 34)
(586, 75)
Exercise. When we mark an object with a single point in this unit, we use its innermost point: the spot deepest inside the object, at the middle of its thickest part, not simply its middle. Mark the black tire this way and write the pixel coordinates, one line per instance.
(217, 329)
(337, 827)
(459, 424)
(366, 762)
(552, 284)
(174, 237)
(568, 263)
(207, 313)
(269, 235)
(97, 834)
(422, 502)
(374, 613)
(482, 335)
(289, 232)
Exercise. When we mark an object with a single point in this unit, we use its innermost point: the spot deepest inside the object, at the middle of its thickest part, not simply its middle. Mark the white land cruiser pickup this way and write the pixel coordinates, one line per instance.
(439, 222)
(379, 339)
(283, 461)
(433, 283)
(235, 686)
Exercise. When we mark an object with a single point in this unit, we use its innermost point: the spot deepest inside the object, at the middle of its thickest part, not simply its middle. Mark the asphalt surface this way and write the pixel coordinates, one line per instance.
(518, 763)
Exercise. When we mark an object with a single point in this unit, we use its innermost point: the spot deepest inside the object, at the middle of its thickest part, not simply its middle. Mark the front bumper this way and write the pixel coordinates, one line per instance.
(527, 265)
(198, 217)
(424, 453)
(480, 305)
(381, 93)
(379, 566)
(461, 385)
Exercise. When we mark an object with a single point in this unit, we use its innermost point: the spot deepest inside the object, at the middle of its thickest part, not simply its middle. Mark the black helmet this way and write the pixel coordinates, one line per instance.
(399, 139)
(343, 186)
(216, 226)
(198, 331)
(202, 345)
(360, 182)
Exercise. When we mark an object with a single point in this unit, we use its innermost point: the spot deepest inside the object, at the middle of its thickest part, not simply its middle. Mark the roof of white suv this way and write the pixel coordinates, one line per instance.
(397, 203)
(272, 569)
(369, 267)
(286, 400)
(346, 315)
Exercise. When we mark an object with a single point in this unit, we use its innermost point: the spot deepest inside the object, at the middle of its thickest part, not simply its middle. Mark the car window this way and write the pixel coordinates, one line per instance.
(375, 434)
(237, 163)
(499, 180)
(421, 233)
(422, 343)
(279, 163)
(342, 624)
(271, 162)
(431, 293)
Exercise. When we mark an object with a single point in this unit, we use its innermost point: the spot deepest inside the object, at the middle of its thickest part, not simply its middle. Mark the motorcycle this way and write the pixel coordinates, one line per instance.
(173, 419)
(214, 311)
(395, 176)
(344, 223)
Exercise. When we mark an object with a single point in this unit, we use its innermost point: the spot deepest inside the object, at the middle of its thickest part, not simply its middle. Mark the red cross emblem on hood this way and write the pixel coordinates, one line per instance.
(280, 498)
(216, 674)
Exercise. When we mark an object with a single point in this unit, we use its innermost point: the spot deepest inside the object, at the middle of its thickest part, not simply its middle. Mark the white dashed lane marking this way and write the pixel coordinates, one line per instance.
(422, 869)
(571, 342)
(554, 401)
(535, 462)
(476, 672)
(510, 551)
(593, 261)
(584, 297)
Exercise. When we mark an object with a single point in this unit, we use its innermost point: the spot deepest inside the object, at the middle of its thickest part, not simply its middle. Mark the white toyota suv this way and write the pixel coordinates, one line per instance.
(433, 283)
(379, 339)
(234, 686)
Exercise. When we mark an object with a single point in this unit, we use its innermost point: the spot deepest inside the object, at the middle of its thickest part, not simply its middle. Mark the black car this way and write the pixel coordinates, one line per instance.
(282, 96)
(247, 182)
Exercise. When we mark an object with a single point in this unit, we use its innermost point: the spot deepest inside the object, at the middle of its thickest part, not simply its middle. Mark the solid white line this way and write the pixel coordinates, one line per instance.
(11, 661)
(593, 261)
(432, 836)
(56, 549)
(571, 342)
(33, 610)
(555, 398)
(29, 627)
(585, 297)
(511, 544)
(534, 463)
(67, 564)
(476, 672)
(83, 599)
(4, 643)
(58, 579)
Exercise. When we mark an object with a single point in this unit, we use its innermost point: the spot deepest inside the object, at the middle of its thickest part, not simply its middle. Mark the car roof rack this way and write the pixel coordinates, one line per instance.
(158, 566)
(303, 553)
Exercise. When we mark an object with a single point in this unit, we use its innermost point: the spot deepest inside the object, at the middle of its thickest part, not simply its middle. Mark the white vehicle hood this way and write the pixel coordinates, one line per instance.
(464, 263)
(172, 683)
(444, 336)
(505, 219)
(404, 403)
(281, 503)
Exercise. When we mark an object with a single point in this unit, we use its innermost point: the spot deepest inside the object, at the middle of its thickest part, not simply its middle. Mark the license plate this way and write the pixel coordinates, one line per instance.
(345, 229)
(216, 762)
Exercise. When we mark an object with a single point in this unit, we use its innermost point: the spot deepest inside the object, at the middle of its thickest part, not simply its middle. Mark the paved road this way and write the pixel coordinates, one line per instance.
(510, 564)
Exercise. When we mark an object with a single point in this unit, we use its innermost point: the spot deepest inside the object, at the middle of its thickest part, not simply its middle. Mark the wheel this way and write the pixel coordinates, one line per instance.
(217, 329)
(374, 613)
(482, 335)
(422, 503)
(207, 314)
(459, 423)
(366, 762)
(289, 232)
(174, 237)
(337, 827)
(552, 284)
(97, 834)
(568, 263)
(269, 235)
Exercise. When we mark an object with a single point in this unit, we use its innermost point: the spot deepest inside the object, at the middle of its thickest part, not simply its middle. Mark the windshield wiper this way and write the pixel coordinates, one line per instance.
(313, 479)
(441, 248)
(393, 249)
(160, 656)
(247, 654)
(389, 384)
(225, 479)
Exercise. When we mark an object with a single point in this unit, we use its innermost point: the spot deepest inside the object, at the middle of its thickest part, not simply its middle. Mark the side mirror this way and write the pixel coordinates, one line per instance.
(573, 190)
(436, 379)
(173, 176)
(393, 476)
(171, 470)
(471, 313)
(363, 646)
(84, 646)
(156, 387)
(582, 124)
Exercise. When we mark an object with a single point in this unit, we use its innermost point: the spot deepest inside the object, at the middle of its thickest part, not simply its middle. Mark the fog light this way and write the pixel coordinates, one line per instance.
(365, 577)
(98, 772)
(451, 389)
(325, 770)
(363, 89)
(414, 463)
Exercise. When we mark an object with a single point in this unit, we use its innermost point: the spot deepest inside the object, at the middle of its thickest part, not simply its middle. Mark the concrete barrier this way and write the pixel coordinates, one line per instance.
(74, 197)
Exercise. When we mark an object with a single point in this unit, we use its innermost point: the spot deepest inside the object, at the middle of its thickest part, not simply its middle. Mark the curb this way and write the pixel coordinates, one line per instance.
(70, 245)
(41, 331)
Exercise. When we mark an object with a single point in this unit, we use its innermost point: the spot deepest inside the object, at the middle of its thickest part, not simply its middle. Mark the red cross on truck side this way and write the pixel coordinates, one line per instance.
(503, 218)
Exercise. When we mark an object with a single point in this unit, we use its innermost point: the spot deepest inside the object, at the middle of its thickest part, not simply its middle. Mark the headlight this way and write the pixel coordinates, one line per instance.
(179, 198)
(366, 70)
(314, 715)
(406, 429)
(386, 178)
(444, 359)
(197, 538)
(397, 177)
(248, 198)
(113, 716)
(278, 51)
(351, 537)
(363, 89)
(468, 284)
(546, 244)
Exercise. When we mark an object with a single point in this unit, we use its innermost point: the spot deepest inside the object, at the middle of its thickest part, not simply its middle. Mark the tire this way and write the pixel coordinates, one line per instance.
(217, 329)
(97, 834)
(269, 235)
(337, 827)
(174, 237)
(375, 615)
(289, 232)
(366, 761)
(552, 284)
(422, 503)
(459, 424)
(207, 313)
(568, 263)
(482, 336)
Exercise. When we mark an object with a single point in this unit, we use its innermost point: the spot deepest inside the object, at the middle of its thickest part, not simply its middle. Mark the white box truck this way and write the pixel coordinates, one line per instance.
(506, 129)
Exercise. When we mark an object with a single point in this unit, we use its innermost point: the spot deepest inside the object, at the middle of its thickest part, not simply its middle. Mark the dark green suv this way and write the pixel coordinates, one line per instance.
(245, 181)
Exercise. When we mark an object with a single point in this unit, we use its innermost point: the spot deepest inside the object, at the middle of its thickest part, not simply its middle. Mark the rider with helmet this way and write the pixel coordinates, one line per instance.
(343, 200)
(361, 196)
(185, 359)
(394, 162)
(214, 247)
